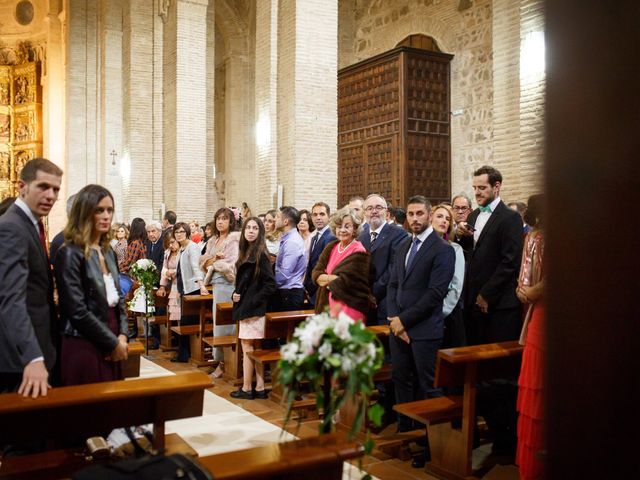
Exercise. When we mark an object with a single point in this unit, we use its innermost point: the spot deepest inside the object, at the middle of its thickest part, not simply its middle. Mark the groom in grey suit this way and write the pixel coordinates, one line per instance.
(27, 311)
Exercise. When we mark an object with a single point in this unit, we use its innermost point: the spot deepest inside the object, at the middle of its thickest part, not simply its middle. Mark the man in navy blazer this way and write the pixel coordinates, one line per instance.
(381, 239)
(322, 236)
(419, 282)
(27, 311)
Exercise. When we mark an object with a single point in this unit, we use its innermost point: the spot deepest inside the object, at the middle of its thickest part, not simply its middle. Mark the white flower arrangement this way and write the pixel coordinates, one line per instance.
(145, 272)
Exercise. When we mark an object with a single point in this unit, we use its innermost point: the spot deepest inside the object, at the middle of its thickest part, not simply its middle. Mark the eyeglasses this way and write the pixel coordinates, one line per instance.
(377, 208)
(461, 209)
(179, 231)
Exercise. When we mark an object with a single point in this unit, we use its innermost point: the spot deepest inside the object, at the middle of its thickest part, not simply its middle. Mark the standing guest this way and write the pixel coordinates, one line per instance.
(357, 203)
(398, 216)
(454, 333)
(196, 233)
(168, 276)
(119, 243)
(219, 262)
(531, 395)
(272, 234)
(93, 317)
(419, 282)
(245, 212)
(208, 233)
(305, 229)
(136, 245)
(521, 208)
(261, 217)
(27, 311)
(154, 245)
(189, 281)
(461, 205)
(342, 272)
(320, 214)
(255, 284)
(169, 219)
(6, 204)
(58, 240)
(493, 312)
(290, 263)
(381, 240)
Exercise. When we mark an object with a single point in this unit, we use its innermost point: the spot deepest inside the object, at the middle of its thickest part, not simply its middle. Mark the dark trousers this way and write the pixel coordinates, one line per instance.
(286, 299)
(414, 368)
(10, 381)
(184, 347)
(495, 326)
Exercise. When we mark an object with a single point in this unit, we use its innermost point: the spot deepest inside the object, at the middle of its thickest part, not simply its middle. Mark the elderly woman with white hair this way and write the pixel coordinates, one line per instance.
(342, 272)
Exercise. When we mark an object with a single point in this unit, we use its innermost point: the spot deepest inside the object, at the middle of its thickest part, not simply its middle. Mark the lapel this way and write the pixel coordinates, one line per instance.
(32, 232)
(96, 272)
(493, 218)
(315, 252)
(401, 255)
(380, 238)
(424, 249)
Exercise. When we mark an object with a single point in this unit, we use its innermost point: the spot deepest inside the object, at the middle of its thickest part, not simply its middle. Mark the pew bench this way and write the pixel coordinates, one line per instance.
(452, 448)
(230, 344)
(82, 411)
(131, 366)
(198, 305)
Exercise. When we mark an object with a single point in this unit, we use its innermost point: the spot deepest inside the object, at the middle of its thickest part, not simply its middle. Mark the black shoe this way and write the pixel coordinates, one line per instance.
(241, 394)
(419, 461)
(178, 360)
(261, 394)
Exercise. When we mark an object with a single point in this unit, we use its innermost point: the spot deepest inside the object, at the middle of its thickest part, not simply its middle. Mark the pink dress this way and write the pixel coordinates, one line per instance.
(337, 255)
(173, 303)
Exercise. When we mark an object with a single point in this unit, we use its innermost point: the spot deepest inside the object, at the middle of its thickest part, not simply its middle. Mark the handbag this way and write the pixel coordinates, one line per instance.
(176, 466)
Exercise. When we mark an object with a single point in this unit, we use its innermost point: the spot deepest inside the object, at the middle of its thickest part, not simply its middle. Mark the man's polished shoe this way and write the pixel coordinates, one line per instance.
(419, 460)
(241, 394)
(178, 360)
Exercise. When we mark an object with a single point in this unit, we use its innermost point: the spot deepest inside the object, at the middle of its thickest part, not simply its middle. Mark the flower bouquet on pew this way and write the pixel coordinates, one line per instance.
(338, 358)
(145, 273)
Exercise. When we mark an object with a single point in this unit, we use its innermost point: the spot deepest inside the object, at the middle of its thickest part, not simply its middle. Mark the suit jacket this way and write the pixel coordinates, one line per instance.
(27, 311)
(382, 253)
(156, 253)
(84, 309)
(416, 295)
(314, 254)
(494, 263)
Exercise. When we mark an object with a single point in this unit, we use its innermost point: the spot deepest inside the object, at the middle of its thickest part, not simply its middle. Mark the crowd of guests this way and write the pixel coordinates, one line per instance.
(438, 276)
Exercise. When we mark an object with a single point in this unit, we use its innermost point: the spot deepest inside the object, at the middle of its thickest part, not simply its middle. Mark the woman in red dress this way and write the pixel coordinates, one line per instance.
(531, 381)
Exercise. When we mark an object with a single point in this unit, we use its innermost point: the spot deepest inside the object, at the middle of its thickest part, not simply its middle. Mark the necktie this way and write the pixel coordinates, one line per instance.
(485, 209)
(43, 240)
(412, 253)
(314, 241)
(374, 235)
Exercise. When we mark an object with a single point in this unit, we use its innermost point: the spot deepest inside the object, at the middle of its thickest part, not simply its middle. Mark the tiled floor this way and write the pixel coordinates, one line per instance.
(379, 464)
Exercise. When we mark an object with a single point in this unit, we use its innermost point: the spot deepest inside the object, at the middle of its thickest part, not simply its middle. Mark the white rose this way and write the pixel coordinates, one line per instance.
(341, 327)
(325, 350)
(144, 263)
(289, 351)
(347, 365)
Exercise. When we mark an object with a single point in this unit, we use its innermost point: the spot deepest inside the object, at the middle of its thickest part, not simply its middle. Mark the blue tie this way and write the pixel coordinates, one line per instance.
(485, 209)
(412, 253)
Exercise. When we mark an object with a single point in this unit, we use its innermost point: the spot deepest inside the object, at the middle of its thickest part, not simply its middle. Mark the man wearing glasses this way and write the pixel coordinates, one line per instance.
(381, 239)
(461, 210)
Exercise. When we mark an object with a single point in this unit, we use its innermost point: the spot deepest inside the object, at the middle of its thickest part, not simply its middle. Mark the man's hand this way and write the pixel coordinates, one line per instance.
(34, 380)
(482, 304)
(395, 325)
(463, 229)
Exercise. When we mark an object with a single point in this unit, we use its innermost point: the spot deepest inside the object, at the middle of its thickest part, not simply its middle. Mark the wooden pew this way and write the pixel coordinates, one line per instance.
(196, 305)
(163, 322)
(230, 344)
(131, 366)
(316, 458)
(452, 448)
(83, 411)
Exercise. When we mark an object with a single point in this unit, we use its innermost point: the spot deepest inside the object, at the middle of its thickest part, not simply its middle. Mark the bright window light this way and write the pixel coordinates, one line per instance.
(532, 64)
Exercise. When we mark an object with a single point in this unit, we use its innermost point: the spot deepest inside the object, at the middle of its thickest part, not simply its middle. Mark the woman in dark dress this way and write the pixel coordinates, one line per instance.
(94, 322)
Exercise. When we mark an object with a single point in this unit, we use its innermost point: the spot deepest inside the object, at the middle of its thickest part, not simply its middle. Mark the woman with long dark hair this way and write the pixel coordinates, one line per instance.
(255, 283)
(94, 321)
(136, 242)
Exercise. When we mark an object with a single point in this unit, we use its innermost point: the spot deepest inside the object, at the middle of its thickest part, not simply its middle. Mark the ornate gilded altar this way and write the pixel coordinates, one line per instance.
(20, 120)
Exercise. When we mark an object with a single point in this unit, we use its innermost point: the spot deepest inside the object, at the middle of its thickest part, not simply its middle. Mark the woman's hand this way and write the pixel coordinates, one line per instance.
(170, 273)
(220, 255)
(121, 352)
(532, 294)
(203, 290)
(235, 297)
(161, 291)
(325, 279)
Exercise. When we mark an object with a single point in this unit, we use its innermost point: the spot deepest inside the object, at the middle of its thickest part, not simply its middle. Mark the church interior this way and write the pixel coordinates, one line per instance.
(193, 105)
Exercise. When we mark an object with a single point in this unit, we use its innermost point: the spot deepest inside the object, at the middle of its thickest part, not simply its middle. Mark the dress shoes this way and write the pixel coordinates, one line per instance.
(419, 460)
(262, 394)
(242, 395)
(178, 360)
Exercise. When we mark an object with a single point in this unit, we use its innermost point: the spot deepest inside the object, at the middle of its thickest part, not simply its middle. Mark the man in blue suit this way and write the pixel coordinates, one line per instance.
(381, 239)
(422, 271)
(320, 214)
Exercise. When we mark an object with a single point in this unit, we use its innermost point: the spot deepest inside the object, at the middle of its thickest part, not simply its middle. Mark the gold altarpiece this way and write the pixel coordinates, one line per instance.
(20, 121)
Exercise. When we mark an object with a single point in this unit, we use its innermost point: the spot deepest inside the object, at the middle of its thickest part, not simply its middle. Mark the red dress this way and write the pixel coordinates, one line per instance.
(531, 381)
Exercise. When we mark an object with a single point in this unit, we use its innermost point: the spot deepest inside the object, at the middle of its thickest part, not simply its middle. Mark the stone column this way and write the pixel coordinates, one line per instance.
(137, 71)
(266, 83)
(307, 101)
(185, 127)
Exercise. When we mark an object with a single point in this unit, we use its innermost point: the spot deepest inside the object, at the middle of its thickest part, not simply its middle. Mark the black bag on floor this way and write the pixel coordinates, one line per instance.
(158, 467)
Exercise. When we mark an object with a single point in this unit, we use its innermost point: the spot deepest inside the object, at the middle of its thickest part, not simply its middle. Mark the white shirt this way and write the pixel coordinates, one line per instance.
(376, 231)
(25, 208)
(423, 236)
(483, 218)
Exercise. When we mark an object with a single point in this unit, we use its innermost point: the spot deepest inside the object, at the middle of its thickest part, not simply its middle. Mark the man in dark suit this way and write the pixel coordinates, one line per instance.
(423, 269)
(492, 309)
(494, 312)
(381, 239)
(461, 206)
(322, 236)
(27, 311)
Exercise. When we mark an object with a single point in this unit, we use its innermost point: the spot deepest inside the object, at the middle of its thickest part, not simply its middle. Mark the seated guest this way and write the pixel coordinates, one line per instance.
(168, 276)
(272, 234)
(190, 282)
(219, 262)
(342, 272)
(320, 215)
(305, 229)
(255, 284)
(93, 317)
(454, 331)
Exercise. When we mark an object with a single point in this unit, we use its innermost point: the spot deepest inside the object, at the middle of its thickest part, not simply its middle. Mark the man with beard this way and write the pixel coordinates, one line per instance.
(381, 239)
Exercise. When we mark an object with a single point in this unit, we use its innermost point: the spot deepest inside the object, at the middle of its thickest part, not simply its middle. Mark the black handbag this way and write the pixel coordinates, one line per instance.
(157, 467)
